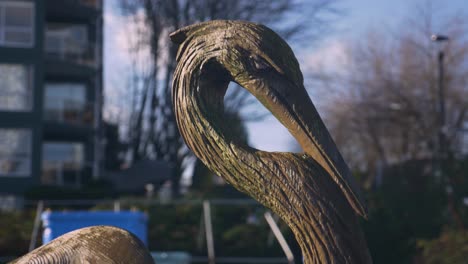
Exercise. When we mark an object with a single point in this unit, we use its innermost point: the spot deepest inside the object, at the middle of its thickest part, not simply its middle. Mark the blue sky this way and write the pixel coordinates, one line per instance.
(359, 16)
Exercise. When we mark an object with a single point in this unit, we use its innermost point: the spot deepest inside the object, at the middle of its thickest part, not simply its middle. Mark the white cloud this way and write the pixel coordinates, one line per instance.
(331, 56)
(325, 69)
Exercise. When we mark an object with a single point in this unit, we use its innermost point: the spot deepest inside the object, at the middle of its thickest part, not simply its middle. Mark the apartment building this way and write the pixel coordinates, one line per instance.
(50, 93)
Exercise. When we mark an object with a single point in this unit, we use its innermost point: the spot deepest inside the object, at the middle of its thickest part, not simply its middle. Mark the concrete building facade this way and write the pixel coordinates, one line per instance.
(50, 93)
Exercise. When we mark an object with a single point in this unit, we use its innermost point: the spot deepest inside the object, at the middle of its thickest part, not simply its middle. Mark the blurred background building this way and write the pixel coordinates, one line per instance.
(50, 93)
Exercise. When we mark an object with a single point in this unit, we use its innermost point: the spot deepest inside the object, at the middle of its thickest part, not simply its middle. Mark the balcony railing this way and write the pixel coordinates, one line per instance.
(61, 174)
(70, 112)
(18, 165)
(70, 42)
(90, 3)
(84, 54)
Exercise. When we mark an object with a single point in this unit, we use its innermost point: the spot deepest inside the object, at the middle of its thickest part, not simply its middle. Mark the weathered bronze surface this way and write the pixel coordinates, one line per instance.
(313, 192)
(97, 244)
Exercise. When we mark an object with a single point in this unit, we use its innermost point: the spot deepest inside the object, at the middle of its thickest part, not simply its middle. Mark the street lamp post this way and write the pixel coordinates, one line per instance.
(442, 154)
(441, 151)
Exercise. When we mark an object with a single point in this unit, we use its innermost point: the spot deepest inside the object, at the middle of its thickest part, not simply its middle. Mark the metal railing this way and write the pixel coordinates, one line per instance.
(59, 174)
(206, 224)
(211, 248)
(91, 3)
(70, 112)
(97, 4)
(84, 54)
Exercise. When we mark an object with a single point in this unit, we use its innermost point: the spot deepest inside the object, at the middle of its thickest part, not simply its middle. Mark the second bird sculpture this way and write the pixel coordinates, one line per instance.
(313, 192)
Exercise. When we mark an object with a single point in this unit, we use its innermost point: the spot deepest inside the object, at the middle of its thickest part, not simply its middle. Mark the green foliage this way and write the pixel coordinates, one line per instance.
(410, 205)
(174, 228)
(451, 247)
(179, 227)
(242, 231)
(456, 172)
(15, 232)
(246, 240)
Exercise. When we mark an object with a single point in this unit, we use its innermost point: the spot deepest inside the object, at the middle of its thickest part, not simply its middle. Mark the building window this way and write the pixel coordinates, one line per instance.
(69, 42)
(66, 102)
(62, 163)
(15, 152)
(17, 23)
(16, 87)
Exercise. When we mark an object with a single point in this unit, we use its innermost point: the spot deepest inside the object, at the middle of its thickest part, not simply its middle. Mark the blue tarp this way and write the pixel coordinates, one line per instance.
(59, 223)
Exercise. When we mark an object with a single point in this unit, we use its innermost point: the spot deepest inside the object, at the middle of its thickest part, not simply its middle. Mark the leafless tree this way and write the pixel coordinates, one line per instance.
(152, 128)
(387, 105)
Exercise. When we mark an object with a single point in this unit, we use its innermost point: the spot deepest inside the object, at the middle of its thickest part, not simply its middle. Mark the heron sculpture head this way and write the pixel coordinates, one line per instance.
(314, 191)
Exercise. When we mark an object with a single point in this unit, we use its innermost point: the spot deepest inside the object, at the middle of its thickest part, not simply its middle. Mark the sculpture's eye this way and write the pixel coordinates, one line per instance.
(259, 63)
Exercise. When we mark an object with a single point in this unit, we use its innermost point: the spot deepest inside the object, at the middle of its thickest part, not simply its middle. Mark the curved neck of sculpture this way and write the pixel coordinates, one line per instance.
(327, 233)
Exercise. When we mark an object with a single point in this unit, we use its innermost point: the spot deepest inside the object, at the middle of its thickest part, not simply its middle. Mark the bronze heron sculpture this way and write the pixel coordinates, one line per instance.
(313, 192)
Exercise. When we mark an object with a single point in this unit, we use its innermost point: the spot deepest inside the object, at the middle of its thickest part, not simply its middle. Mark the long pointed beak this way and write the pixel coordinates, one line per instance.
(292, 106)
